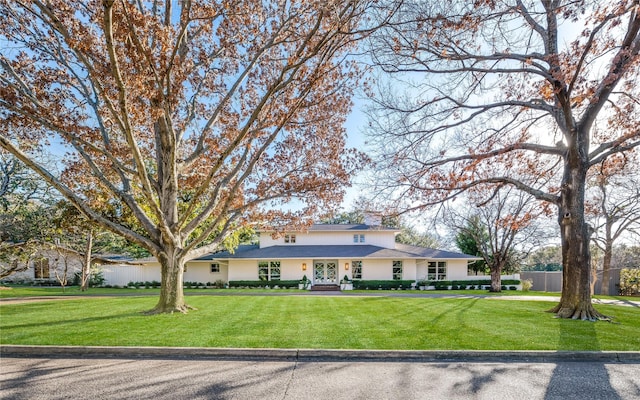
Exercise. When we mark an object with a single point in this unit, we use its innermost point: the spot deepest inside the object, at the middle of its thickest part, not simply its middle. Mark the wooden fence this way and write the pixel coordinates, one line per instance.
(551, 281)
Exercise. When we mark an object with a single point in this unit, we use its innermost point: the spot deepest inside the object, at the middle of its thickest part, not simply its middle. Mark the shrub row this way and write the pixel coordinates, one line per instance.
(382, 284)
(262, 284)
(457, 283)
(155, 284)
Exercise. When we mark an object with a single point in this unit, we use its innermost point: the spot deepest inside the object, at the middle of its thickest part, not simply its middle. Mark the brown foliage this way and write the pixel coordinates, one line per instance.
(184, 121)
(530, 94)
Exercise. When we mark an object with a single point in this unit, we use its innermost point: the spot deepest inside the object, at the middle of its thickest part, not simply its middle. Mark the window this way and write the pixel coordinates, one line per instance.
(356, 269)
(358, 238)
(269, 270)
(215, 267)
(289, 238)
(397, 270)
(41, 269)
(437, 271)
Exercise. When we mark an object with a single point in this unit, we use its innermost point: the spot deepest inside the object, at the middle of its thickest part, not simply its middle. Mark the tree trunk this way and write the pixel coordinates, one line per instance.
(496, 282)
(171, 291)
(606, 267)
(86, 266)
(575, 234)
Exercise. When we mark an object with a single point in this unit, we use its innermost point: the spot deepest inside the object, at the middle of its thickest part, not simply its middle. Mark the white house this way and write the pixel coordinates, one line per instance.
(324, 253)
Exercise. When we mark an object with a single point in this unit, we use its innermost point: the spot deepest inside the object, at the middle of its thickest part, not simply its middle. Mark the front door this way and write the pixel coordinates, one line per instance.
(325, 272)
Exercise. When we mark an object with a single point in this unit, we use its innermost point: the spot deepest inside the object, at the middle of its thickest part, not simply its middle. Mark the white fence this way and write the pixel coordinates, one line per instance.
(120, 275)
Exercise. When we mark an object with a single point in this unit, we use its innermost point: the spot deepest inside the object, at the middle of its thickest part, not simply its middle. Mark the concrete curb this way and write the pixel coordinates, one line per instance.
(201, 353)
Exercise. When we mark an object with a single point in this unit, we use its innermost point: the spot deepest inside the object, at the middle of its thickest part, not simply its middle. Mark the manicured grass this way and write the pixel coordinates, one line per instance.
(31, 291)
(317, 322)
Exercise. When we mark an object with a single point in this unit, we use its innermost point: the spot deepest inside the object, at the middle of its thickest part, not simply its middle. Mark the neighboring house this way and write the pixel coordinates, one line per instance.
(49, 263)
(324, 253)
(46, 264)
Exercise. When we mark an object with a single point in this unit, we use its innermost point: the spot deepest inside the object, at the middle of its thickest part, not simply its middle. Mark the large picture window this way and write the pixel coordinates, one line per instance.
(397, 270)
(269, 270)
(437, 271)
(356, 269)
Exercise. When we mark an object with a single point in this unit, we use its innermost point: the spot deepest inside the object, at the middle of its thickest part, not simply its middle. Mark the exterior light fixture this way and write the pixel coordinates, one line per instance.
(304, 266)
(346, 266)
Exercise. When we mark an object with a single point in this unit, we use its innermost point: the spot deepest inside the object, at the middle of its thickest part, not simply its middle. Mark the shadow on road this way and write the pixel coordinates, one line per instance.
(566, 382)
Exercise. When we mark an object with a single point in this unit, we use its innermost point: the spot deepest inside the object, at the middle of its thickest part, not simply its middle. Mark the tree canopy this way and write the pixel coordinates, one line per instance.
(529, 94)
(183, 122)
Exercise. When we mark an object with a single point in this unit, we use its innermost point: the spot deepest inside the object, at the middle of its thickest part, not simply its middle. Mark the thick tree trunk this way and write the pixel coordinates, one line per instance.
(86, 266)
(496, 280)
(606, 268)
(171, 291)
(575, 234)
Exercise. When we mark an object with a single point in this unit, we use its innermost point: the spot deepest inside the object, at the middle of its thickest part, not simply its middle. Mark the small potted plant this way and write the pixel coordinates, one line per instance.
(346, 283)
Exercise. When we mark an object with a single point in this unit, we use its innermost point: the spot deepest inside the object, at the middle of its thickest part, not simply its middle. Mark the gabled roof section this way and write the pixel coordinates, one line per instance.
(349, 227)
(344, 228)
(426, 252)
(349, 251)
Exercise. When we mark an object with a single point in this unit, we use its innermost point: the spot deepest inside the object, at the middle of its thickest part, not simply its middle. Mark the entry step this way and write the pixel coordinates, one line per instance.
(325, 288)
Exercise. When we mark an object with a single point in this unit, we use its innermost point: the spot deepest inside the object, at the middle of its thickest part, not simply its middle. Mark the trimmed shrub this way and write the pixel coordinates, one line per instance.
(381, 284)
(289, 284)
(460, 284)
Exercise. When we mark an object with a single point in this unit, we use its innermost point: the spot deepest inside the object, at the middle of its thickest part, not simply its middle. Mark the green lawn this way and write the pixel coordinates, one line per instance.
(317, 322)
(31, 291)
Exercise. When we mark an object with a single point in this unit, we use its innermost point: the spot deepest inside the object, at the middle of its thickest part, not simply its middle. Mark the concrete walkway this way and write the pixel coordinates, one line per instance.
(203, 353)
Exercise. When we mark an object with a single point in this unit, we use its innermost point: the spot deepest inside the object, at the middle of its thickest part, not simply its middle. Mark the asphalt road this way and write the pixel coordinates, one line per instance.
(158, 379)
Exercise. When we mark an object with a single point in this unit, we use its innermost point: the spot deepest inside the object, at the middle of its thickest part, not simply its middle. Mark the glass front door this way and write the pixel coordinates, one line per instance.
(325, 272)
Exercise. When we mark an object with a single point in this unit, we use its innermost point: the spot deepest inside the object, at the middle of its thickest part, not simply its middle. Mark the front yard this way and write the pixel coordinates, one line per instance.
(330, 322)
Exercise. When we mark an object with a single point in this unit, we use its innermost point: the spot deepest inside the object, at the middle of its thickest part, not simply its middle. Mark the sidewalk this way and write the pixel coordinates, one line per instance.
(302, 355)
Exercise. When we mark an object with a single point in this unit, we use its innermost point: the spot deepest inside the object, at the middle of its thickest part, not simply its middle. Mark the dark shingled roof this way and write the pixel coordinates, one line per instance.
(433, 253)
(348, 251)
(349, 227)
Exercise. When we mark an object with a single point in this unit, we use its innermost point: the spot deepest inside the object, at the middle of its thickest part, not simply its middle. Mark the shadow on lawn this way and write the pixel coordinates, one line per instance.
(71, 321)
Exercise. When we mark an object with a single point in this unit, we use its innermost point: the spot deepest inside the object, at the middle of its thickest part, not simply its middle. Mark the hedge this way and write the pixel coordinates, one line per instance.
(464, 284)
(261, 284)
(382, 284)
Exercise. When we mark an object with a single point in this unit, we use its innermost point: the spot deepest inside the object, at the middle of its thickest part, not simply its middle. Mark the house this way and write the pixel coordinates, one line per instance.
(325, 253)
(48, 263)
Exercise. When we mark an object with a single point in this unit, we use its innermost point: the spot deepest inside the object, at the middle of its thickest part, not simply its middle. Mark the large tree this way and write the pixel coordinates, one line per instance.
(508, 92)
(187, 119)
(503, 229)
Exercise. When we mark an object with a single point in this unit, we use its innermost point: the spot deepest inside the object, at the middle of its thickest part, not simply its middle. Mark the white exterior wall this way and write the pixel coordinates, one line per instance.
(457, 270)
(421, 269)
(409, 270)
(200, 271)
(243, 270)
(383, 269)
(384, 239)
(376, 269)
(121, 275)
